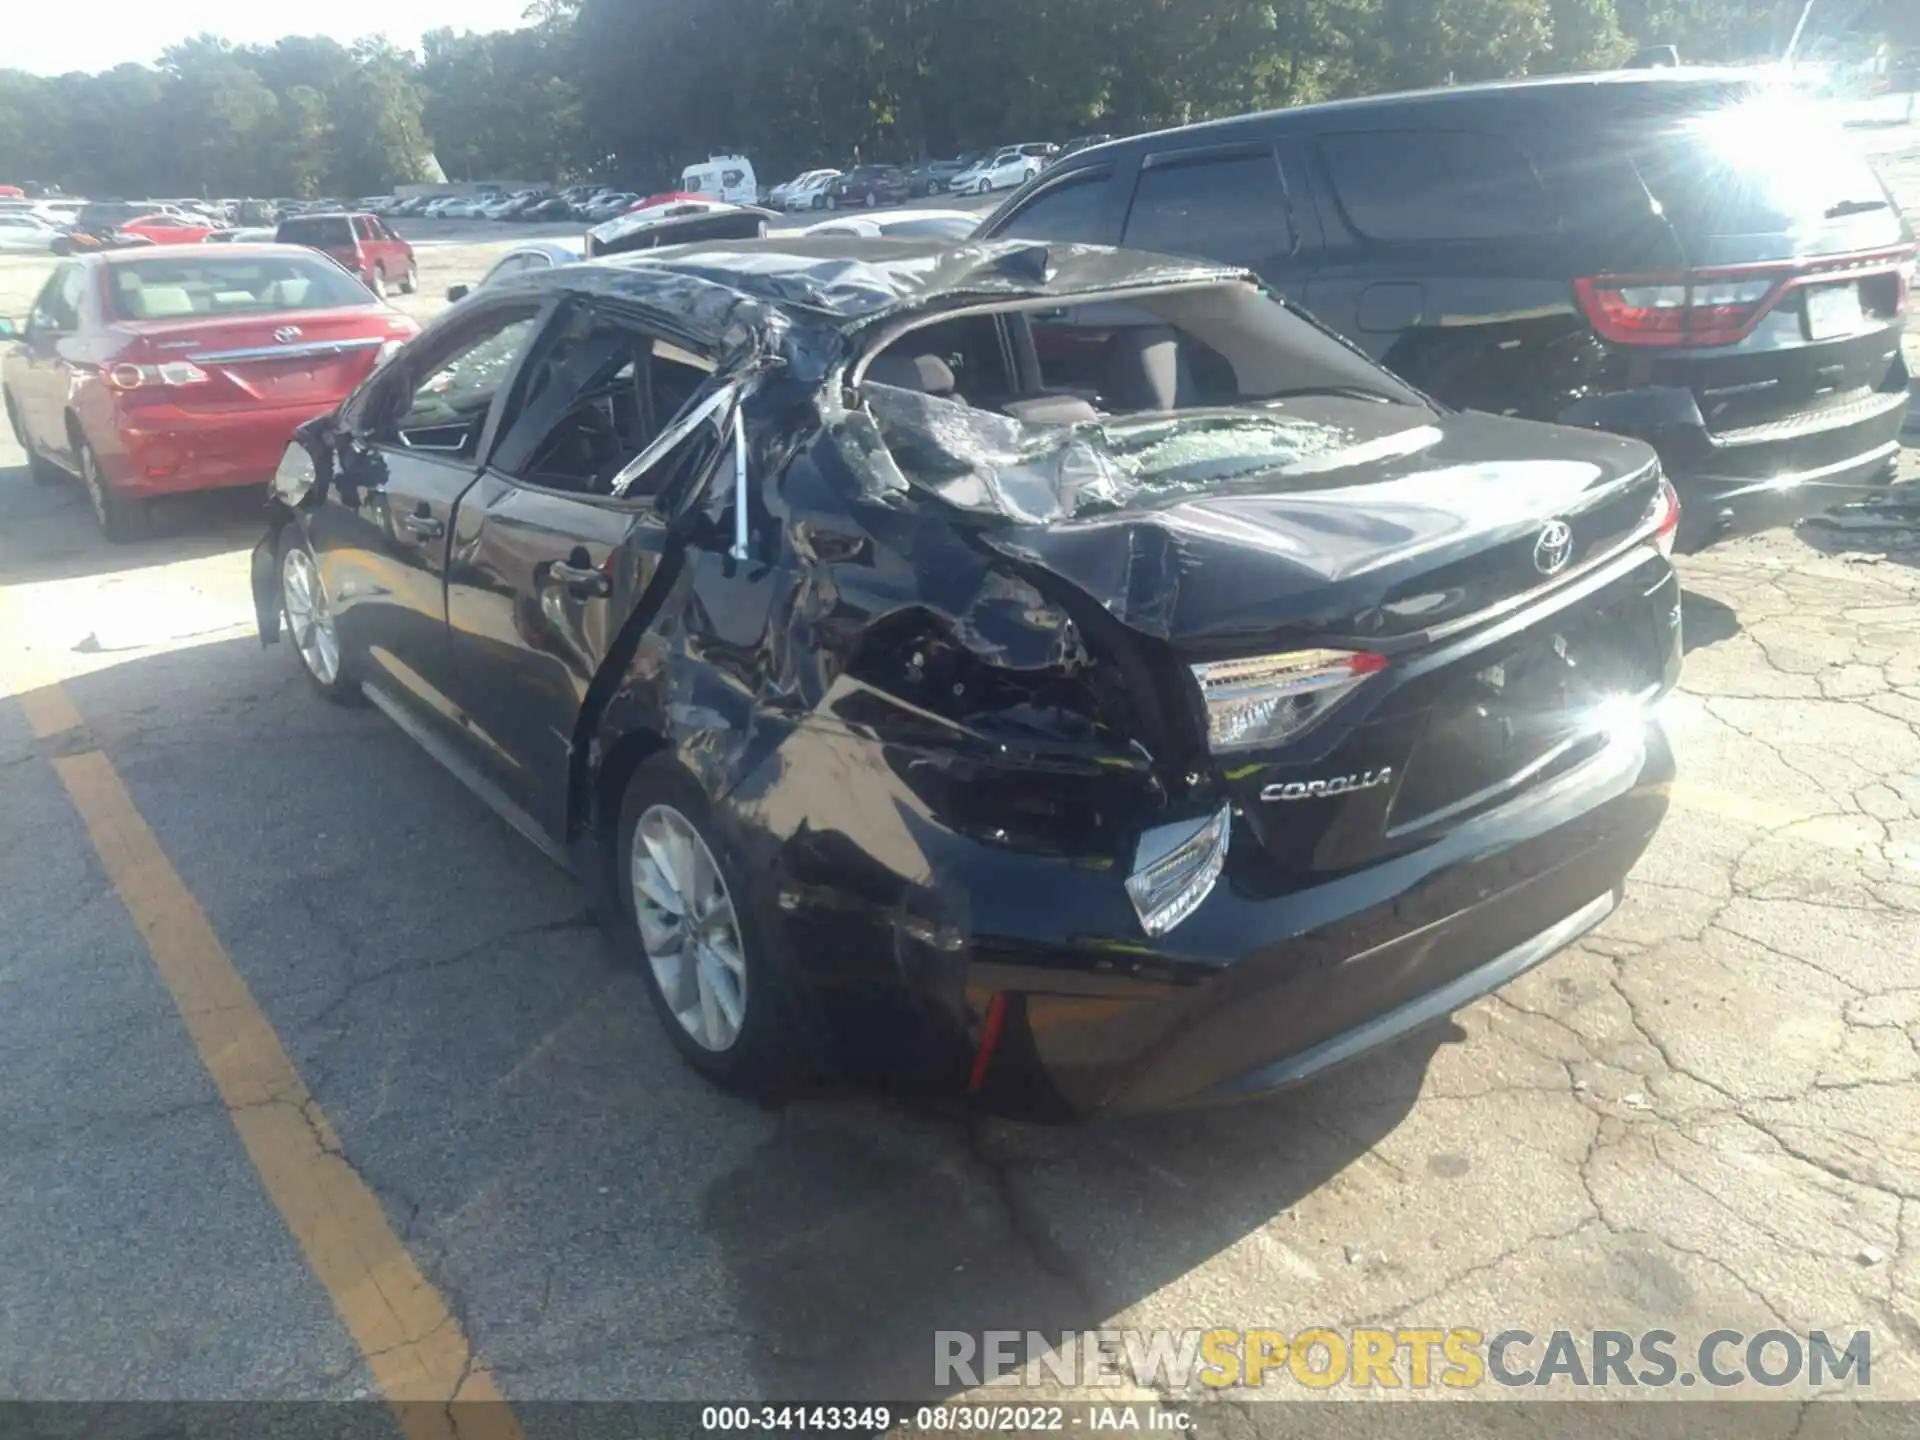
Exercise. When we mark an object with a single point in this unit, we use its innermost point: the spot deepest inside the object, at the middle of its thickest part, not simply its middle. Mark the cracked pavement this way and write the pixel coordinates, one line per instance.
(1706, 1115)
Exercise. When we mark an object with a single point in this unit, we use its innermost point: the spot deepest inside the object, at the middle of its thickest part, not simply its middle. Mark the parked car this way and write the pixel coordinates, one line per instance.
(930, 177)
(903, 713)
(919, 224)
(607, 206)
(722, 177)
(536, 255)
(244, 235)
(801, 192)
(868, 185)
(1078, 143)
(22, 233)
(159, 371)
(999, 171)
(552, 208)
(153, 221)
(361, 243)
(1685, 256)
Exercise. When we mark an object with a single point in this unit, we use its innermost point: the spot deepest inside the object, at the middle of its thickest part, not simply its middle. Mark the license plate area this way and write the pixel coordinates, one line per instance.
(1833, 311)
(1528, 711)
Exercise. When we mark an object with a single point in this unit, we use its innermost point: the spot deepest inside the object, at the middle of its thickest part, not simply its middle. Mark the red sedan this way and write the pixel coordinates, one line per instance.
(158, 371)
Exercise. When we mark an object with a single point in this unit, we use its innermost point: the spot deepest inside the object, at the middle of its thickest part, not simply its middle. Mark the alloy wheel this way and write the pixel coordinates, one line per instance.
(688, 927)
(303, 595)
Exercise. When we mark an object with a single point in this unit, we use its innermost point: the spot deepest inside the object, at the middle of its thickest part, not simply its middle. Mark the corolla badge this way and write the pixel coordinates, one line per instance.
(1338, 785)
(1554, 547)
(287, 334)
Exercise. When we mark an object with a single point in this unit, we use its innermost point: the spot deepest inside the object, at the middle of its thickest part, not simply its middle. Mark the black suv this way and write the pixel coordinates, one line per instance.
(1688, 257)
(869, 185)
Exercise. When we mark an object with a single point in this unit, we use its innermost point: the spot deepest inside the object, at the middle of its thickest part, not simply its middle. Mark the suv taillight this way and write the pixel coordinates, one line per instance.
(1676, 309)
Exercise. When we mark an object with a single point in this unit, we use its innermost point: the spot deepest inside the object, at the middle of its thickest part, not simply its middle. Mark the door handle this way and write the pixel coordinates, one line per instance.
(581, 579)
(424, 526)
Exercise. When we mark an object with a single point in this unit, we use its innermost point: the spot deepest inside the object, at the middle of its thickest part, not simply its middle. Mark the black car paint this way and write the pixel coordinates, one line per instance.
(940, 736)
(1494, 324)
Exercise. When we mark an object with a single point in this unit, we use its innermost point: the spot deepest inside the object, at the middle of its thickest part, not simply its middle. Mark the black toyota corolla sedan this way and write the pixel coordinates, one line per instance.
(1156, 725)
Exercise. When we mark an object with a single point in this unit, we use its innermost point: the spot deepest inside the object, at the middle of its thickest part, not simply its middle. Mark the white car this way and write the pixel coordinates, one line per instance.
(23, 233)
(1002, 171)
(803, 192)
(928, 224)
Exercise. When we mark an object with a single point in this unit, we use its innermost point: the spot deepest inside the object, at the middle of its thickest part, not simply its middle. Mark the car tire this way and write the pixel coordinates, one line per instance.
(410, 282)
(40, 470)
(122, 519)
(760, 1047)
(307, 620)
(933, 187)
(377, 282)
(833, 202)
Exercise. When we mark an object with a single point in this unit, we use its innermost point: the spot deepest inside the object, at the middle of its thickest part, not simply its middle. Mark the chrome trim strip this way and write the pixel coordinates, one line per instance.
(1793, 480)
(672, 436)
(1453, 995)
(286, 352)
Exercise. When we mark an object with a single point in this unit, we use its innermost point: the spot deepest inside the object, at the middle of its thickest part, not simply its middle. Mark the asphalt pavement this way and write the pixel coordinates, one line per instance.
(1705, 1116)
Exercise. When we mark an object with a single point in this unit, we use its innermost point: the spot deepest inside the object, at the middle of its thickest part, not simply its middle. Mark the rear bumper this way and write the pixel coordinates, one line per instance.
(903, 935)
(1765, 477)
(166, 451)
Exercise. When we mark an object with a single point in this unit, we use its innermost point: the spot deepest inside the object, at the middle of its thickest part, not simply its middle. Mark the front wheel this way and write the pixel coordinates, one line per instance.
(122, 519)
(310, 624)
(40, 470)
(410, 282)
(712, 967)
(378, 283)
(872, 199)
(833, 202)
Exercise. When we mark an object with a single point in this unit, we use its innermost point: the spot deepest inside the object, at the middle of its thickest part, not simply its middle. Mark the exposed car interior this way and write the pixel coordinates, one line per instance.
(603, 392)
(177, 289)
(1219, 345)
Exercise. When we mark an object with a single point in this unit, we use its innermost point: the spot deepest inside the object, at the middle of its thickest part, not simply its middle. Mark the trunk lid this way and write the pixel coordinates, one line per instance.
(1500, 568)
(291, 357)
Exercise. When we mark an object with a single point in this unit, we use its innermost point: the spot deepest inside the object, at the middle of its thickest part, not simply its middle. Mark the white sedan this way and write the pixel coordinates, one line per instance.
(809, 191)
(936, 224)
(26, 234)
(1002, 172)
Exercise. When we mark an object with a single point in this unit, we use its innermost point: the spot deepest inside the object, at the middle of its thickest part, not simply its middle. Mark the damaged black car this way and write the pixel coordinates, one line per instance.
(1158, 725)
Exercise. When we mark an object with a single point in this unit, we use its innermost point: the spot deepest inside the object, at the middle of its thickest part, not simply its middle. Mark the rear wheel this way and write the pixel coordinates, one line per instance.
(872, 199)
(122, 518)
(712, 969)
(378, 284)
(41, 470)
(410, 282)
(308, 612)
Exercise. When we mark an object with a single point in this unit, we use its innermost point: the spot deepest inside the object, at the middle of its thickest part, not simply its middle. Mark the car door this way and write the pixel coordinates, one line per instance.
(49, 359)
(412, 442)
(570, 531)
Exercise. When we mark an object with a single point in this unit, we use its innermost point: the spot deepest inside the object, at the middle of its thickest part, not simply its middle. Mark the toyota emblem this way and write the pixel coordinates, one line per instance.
(287, 334)
(1554, 547)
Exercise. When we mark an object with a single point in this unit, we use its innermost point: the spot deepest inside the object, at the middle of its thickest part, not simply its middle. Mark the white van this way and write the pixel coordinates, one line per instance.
(722, 177)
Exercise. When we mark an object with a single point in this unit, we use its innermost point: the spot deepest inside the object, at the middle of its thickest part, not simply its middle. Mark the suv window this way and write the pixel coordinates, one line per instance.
(1073, 210)
(318, 230)
(445, 409)
(1424, 185)
(1229, 207)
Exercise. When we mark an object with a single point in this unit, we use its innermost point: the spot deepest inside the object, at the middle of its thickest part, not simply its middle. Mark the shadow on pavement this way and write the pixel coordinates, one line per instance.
(606, 1224)
(1704, 621)
(47, 532)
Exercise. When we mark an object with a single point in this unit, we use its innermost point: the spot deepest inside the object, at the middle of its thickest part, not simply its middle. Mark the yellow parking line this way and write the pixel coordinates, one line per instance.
(414, 1346)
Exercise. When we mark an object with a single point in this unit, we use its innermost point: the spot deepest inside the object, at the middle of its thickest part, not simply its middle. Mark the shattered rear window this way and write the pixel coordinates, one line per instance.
(1031, 473)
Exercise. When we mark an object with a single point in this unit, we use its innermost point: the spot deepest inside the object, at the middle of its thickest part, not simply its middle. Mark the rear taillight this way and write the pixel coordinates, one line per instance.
(1663, 515)
(138, 377)
(1678, 309)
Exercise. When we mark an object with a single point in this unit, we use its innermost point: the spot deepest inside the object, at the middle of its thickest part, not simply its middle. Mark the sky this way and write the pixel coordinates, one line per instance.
(44, 39)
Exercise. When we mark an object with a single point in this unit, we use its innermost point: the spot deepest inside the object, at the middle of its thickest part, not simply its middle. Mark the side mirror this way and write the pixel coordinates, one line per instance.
(458, 292)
